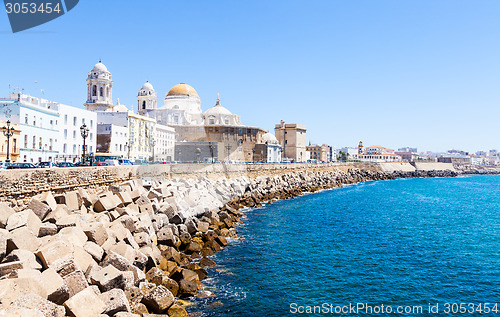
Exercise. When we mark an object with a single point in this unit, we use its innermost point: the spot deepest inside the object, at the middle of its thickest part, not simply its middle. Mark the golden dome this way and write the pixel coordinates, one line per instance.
(183, 90)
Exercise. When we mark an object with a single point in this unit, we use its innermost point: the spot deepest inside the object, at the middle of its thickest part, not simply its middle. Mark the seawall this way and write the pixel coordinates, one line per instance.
(20, 183)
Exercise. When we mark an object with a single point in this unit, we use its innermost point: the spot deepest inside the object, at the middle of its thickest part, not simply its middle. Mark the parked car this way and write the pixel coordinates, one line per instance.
(46, 165)
(102, 164)
(65, 164)
(140, 162)
(20, 165)
(3, 165)
(124, 162)
(112, 162)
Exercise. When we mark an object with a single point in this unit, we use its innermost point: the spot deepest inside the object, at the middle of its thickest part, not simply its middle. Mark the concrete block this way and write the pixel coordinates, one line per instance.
(36, 303)
(60, 212)
(130, 240)
(125, 197)
(82, 258)
(85, 303)
(124, 250)
(73, 200)
(39, 208)
(55, 254)
(165, 236)
(9, 267)
(96, 232)
(115, 301)
(76, 282)
(134, 295)
(159, 299)
(104, 203)
(4, 237)
(22, 238)
(94, 250)
(11, 289)
(5, 213)
(72, 220)
(108, 278)
(125, 314)
(24, 218)
(54, 285)
(74, 235)
(27, 258)
(47, 229)
(142, 239)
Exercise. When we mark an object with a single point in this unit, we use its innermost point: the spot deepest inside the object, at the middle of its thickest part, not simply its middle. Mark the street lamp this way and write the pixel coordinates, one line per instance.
(153, 143)
(128, 146)
(198, 154)
(212, 151)
(8, 131)
(84, 131)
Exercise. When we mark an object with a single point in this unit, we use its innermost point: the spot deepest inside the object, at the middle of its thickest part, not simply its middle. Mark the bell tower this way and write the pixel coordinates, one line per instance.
(146, 99)
(99, 89)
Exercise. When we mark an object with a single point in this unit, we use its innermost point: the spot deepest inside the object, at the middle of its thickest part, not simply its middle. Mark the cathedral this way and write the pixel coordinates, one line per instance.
(213, 135)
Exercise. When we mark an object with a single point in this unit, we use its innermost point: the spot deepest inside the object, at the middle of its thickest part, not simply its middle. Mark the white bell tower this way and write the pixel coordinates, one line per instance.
(146, 99)
(99, 89)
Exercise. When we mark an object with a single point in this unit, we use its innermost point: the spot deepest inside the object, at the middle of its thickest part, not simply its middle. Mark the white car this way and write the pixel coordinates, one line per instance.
(112, 162)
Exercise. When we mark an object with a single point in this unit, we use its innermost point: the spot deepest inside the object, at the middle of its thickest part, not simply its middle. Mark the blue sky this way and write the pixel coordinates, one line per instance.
(424, 74)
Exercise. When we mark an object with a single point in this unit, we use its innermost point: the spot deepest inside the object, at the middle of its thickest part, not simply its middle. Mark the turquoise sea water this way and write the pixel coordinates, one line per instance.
(393, 243)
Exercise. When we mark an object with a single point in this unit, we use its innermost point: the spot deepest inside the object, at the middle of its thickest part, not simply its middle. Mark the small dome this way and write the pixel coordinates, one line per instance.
(269, 138)
(100, 67)
(147, 86)
(182, 90)
(217, 109)
(120, 108)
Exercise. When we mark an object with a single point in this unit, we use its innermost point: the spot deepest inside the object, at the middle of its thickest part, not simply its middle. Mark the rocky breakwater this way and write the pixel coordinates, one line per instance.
(135, 248)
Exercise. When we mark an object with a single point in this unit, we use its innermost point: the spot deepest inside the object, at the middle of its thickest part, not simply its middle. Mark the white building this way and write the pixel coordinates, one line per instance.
(269, 151)
(164, 143)
(38, 121)
(70, 139)
(112, 139)
(378, 153)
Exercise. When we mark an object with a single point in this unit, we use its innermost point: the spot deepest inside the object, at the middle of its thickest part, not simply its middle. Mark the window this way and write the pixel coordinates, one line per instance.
(65, 148)
(25, 141)
(51, 124)
(74, 148)
(90, 137)
(91, 123)
(50, 144)
(102, 92)
(144, 105)
(34, 142)
(83, 121)
(74, 134)
(94, 90)
(74, 121)
(65, 133)
(14, 146)
(65, 119)
(40, 144)
(34, 120)
(26, 119)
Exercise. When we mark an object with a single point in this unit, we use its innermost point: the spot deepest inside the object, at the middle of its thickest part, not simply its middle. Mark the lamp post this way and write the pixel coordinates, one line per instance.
(8, 131)
(84, 131)
(198, 154)
(128, 146)
(212, 151)
(153, 143)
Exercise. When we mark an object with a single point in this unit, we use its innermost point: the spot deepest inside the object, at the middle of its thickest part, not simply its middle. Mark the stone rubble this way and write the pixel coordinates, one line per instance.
(135, 247)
